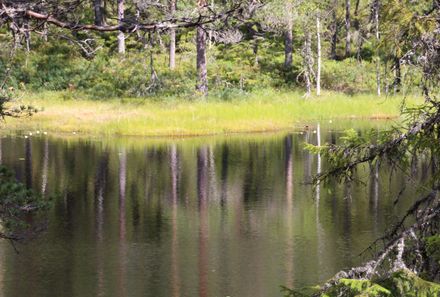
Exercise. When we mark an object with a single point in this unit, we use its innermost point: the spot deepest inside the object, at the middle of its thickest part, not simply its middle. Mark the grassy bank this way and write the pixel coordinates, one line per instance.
(268, 110)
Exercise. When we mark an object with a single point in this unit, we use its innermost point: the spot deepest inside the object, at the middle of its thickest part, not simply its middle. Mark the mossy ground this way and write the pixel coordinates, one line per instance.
(402, 283)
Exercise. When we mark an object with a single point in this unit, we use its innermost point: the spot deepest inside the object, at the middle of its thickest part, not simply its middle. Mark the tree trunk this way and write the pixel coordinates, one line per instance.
(172, 65)
(121, 35)
(334, 29)
(357, 28)
(356, 23)
(98, 6)
(27, 35)
(202, 71)
(376, 24)
(397, 75)
(318, 72)
(255, 50)
(288, 39)
(347, 29)
(307, 56)
(202, 79)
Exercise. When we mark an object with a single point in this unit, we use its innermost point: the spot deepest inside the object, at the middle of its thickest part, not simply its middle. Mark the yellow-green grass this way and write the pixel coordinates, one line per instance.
(268, 110)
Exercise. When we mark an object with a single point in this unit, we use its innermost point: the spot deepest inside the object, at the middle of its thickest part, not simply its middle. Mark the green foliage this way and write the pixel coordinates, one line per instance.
(232, 70)
(433, 247)
(16, 202)
(349, 76)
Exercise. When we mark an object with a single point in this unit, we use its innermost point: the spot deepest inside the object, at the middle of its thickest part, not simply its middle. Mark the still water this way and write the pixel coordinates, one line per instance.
(231, 216)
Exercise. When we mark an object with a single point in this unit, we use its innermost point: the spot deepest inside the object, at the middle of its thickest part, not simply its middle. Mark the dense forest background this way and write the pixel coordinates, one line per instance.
(166, 48)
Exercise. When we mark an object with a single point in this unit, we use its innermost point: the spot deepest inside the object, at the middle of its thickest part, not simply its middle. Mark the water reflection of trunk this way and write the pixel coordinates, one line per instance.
(212, 175)
(319, 229)
(122, 230)
(346, 226)
(174, 167)
(289, 213)
(374, 193)
(28, 162)
(1, 151)
(307, 160)
(202, 193)
(45, 166)
(147, 178)
(224, 176)
(100, 185)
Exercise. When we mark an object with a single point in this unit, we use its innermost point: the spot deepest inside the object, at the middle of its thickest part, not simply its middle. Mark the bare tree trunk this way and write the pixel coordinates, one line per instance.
(397, 75)
(318, 72)
(98, 6)
(202, 71)
(288, 39)
(255, 50)
(121, 35)
(202, 79)
(357, 28)
(334, 29)
(307, 58)
(27, 34)
(172, 65)
(347, 29)
(376, 25)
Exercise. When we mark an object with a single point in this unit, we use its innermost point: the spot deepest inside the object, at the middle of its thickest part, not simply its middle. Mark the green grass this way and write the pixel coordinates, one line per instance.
(268, 110)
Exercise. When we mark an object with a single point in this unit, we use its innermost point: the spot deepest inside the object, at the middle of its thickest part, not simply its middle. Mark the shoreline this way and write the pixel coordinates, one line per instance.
(264, 112)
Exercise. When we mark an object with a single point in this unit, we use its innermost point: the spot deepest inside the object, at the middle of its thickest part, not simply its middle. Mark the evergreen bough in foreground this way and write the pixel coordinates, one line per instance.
(409, 251)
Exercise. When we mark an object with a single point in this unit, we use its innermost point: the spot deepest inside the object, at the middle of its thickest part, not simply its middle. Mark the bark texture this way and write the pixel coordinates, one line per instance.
(121, 35)
(318, 71)
(98, 6)
(347, 29)
(334, 30)
(172, 65)
(202, 71)
(288, 39)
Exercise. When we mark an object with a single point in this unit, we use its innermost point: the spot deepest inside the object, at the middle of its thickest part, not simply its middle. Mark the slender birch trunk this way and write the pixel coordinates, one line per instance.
(376, 25)
(172, 61)
(307, 63)
(121, 35)
(318, 72)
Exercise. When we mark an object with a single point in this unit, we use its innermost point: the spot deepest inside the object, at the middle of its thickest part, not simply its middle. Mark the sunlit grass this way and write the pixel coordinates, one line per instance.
(267, 110)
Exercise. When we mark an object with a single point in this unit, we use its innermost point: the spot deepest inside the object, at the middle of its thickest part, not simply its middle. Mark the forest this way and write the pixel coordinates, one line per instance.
(107, 49)
(104, 105)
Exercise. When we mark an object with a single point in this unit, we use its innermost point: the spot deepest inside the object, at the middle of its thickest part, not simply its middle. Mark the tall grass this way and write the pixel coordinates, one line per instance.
(266, 110)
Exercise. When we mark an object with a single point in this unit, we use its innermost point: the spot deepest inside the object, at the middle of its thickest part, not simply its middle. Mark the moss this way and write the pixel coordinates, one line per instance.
(433, 247)
(406, 283)
(402, 283)
(357, 288)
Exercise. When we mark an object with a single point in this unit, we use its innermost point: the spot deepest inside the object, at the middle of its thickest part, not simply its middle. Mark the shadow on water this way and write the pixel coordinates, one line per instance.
(234, 216)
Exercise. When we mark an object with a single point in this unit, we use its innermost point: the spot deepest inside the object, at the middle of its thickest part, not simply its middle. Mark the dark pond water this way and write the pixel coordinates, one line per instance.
(232, 216)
